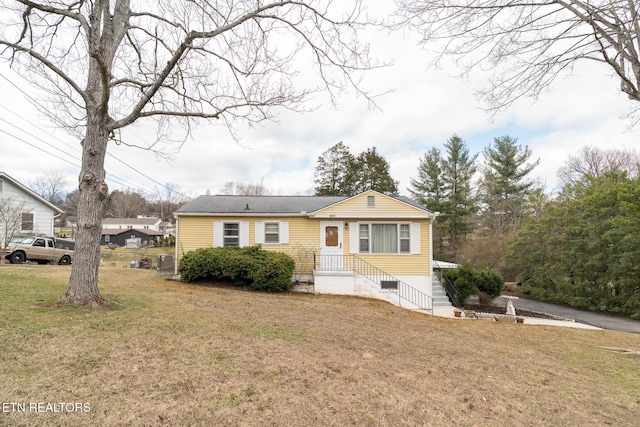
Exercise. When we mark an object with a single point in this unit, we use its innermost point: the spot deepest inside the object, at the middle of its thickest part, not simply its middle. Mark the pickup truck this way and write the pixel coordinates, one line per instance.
(43, 250)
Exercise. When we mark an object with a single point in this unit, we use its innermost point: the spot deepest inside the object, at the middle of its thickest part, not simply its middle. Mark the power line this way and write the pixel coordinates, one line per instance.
(38, 138)
(38, 148)
(153, 191)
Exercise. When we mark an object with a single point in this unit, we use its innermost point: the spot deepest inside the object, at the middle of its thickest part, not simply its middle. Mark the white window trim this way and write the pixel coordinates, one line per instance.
(225, 237)
(275, 235)
(33, 222)
(218, 232)
(414, 237)
(260, 233)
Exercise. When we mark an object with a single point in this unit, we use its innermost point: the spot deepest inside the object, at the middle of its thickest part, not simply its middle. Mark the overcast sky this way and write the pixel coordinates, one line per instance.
(425, 108)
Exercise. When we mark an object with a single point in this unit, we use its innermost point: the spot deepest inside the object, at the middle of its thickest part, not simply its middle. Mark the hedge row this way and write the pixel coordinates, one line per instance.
(259, 269)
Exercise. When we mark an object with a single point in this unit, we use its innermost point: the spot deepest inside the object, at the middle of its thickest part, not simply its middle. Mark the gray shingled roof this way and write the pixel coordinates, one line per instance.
(258, 204)
(411, 202)
(222, 204)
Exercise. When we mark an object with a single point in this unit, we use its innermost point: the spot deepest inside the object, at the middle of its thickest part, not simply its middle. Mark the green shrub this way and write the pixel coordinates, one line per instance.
(199, 264)
(473, 281)
(489, 282)
(259, 269)
(464, 282)
(273, 273)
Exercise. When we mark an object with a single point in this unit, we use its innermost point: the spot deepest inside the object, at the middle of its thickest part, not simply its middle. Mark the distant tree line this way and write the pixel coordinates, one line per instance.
(582, 247)
(123, 203)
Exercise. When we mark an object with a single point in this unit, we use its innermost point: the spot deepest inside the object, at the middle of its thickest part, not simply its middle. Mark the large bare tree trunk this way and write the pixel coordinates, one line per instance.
(83, 284)
(173, 61)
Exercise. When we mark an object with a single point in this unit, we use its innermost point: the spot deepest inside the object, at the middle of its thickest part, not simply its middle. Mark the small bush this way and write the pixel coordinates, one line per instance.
(259, 269)
(469, 281)
(489, 282)
(273, 274)
(463, 280)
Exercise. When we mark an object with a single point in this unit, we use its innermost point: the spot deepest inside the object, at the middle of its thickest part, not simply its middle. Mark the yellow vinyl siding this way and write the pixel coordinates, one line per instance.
(396, 264)
(303, 241)
(196, 232)
(385, 207)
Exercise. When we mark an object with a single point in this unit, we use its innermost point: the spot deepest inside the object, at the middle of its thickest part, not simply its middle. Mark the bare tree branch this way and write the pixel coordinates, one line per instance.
(528, 44)
(108, 64)
(47, 63)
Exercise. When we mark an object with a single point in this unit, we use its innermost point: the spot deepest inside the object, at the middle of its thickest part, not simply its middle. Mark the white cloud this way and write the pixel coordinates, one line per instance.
(425, 108)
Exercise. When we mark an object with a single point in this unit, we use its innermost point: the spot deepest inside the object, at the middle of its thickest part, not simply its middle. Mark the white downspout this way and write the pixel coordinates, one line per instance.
(175, 267)
(433, 218)
(431, 257)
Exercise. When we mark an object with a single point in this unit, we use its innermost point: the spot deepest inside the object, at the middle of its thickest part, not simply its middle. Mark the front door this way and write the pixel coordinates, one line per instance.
(331, 239)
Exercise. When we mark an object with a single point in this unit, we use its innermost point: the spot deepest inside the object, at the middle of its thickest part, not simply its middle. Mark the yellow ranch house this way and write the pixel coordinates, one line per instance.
(370, 245)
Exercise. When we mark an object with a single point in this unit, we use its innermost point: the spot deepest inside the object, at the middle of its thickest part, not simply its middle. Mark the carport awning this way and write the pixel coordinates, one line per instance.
(444, 264)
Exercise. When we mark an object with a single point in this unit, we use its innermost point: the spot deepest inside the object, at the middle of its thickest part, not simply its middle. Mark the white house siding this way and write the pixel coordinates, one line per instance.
(127, 223)
(43, 215)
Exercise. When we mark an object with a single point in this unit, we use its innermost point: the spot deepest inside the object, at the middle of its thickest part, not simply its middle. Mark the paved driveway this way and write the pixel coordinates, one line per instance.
(603, 321)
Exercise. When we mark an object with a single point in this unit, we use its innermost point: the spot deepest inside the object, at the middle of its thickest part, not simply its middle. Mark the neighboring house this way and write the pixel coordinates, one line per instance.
(120, 237)
(166, 228)
(71, 221)
(370, 244)
(140, 223)
(37, 214)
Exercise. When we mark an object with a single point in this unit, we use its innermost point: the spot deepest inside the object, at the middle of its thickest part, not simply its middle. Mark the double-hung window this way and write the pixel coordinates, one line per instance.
(405, 238)
(385, 238)
(231, 234)
(271, 232)
(364, 238)
(27, 222)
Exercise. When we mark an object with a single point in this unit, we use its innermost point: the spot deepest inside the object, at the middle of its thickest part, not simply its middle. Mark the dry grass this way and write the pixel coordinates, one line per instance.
(122, 257)
(175, 354)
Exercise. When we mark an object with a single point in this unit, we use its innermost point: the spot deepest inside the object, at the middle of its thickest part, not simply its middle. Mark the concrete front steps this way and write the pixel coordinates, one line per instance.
(441, 304)
(440, 298)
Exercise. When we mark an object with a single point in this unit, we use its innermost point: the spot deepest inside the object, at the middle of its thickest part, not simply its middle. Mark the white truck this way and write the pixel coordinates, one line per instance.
(43, 250)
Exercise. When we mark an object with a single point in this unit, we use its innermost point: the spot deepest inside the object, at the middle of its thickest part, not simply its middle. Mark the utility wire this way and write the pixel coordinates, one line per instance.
(109, 177)
(38, 138)
(153, 191)
(39, 148)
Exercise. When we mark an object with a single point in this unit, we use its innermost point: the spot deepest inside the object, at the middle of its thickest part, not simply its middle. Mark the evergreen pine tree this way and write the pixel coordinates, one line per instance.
(333, 172)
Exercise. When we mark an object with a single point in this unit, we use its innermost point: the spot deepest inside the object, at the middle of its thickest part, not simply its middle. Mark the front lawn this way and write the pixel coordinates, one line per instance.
(169, 353)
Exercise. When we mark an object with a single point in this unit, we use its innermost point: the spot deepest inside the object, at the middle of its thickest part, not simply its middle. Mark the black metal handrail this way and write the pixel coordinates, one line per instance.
(448, 287)
(376, 275)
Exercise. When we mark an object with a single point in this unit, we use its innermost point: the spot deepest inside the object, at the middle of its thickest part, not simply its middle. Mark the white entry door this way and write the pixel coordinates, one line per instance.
(331, 242)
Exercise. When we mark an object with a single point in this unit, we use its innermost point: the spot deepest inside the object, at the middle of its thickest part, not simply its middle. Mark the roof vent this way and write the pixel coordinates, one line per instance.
(246, 208)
